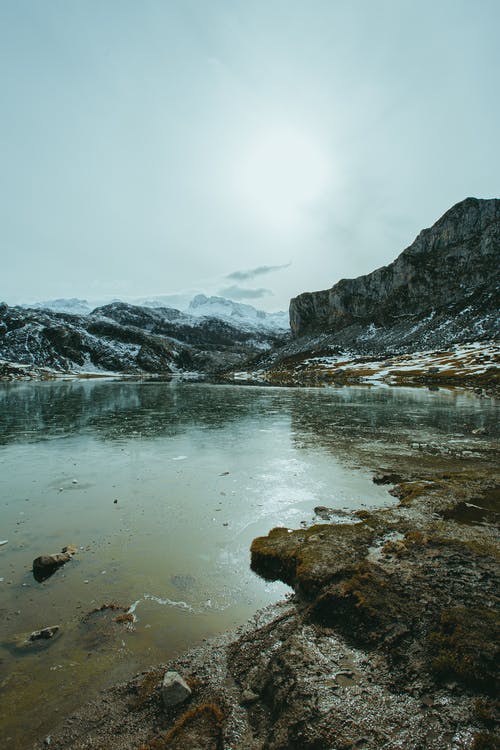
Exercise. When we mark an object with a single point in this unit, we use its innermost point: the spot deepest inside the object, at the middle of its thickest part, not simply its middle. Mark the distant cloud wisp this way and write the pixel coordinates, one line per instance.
(253, 272)
(238, 292)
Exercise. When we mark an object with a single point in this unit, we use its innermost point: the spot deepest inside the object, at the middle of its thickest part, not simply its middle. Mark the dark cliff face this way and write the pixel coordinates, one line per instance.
(454, 263)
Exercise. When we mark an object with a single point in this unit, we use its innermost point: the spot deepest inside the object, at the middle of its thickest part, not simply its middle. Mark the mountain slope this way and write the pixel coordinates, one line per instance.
(125, 338)
(238, 314)
(242, 316)
(442, 288)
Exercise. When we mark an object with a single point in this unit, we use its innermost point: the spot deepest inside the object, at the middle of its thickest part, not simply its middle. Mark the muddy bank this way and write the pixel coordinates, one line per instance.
(390, 639)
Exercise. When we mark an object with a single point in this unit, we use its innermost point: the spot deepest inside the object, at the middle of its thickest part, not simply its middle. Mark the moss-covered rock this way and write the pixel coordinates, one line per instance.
(465, 646)
(309, 559)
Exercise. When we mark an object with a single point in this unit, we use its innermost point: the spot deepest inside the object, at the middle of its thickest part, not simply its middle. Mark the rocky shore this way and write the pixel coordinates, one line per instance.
(473, 365)
(390, 639)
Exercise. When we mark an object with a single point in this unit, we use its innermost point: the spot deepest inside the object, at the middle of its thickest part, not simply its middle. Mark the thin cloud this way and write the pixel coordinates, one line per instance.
(253, 272)
(238, 292)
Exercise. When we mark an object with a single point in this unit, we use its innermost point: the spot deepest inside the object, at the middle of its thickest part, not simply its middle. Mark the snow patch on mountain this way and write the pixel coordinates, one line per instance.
(72, 305)
(237, 313)
(177, 306)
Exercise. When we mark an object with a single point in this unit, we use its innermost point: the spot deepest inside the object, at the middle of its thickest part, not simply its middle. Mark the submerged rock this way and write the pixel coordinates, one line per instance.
(46, 633)
(22, 644)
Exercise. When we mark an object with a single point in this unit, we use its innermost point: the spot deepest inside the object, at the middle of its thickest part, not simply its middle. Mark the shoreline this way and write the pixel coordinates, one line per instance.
(474, 366)
(387, 642)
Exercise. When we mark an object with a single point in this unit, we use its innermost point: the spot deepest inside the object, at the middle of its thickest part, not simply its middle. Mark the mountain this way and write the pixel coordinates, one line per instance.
(442, 289)
(71, 305)
(126, 338)
(245, 317)
(238, 314)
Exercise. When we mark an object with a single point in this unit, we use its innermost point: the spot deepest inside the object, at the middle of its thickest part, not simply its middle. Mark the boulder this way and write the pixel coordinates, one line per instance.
(45, 565)
(174, 689)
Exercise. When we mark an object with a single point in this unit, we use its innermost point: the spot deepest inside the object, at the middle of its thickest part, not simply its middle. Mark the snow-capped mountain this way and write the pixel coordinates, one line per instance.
(72, 305)
(120, 337)
(242, 316)
(237, 313)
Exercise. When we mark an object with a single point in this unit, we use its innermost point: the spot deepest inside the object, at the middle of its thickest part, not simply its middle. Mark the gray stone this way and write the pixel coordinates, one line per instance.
(174, 689)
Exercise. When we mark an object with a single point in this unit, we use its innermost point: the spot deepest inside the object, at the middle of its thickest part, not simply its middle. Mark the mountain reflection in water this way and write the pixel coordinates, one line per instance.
(114, 409)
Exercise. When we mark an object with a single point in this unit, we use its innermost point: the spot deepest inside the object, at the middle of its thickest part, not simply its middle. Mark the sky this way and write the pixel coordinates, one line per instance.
(251, 149)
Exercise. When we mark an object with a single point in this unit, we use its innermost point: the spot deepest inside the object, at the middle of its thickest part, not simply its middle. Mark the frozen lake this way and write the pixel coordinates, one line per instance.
(162, 487)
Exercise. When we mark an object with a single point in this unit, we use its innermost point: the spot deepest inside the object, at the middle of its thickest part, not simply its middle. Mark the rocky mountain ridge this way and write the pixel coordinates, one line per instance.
(443, 288)
(241, 315)
(442, 291)
(126, 338)
(238, 313)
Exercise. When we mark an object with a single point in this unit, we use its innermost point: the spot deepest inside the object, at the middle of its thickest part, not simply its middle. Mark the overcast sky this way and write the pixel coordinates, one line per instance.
(254, 148)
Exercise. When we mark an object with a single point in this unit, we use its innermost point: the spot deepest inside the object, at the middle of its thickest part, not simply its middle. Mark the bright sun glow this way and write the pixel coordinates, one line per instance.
(282, 174)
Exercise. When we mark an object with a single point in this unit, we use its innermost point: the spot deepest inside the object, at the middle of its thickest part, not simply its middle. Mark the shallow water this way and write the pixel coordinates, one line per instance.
(162, 487)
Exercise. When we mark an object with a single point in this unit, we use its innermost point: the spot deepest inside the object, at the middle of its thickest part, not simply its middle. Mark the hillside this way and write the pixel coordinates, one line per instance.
(127, 339)
(442, 289)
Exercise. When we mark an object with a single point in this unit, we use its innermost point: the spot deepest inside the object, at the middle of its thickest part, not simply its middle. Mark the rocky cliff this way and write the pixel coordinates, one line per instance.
(452, 268)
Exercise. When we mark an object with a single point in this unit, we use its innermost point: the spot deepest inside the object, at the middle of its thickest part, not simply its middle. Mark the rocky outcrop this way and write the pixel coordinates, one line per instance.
(451, 268)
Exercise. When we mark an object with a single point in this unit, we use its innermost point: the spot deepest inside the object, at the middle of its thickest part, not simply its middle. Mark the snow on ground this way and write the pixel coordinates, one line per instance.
(474, 358)
(459, 360)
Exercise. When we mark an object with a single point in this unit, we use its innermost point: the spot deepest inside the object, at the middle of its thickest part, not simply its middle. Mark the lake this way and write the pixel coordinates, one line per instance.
(162, 486)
